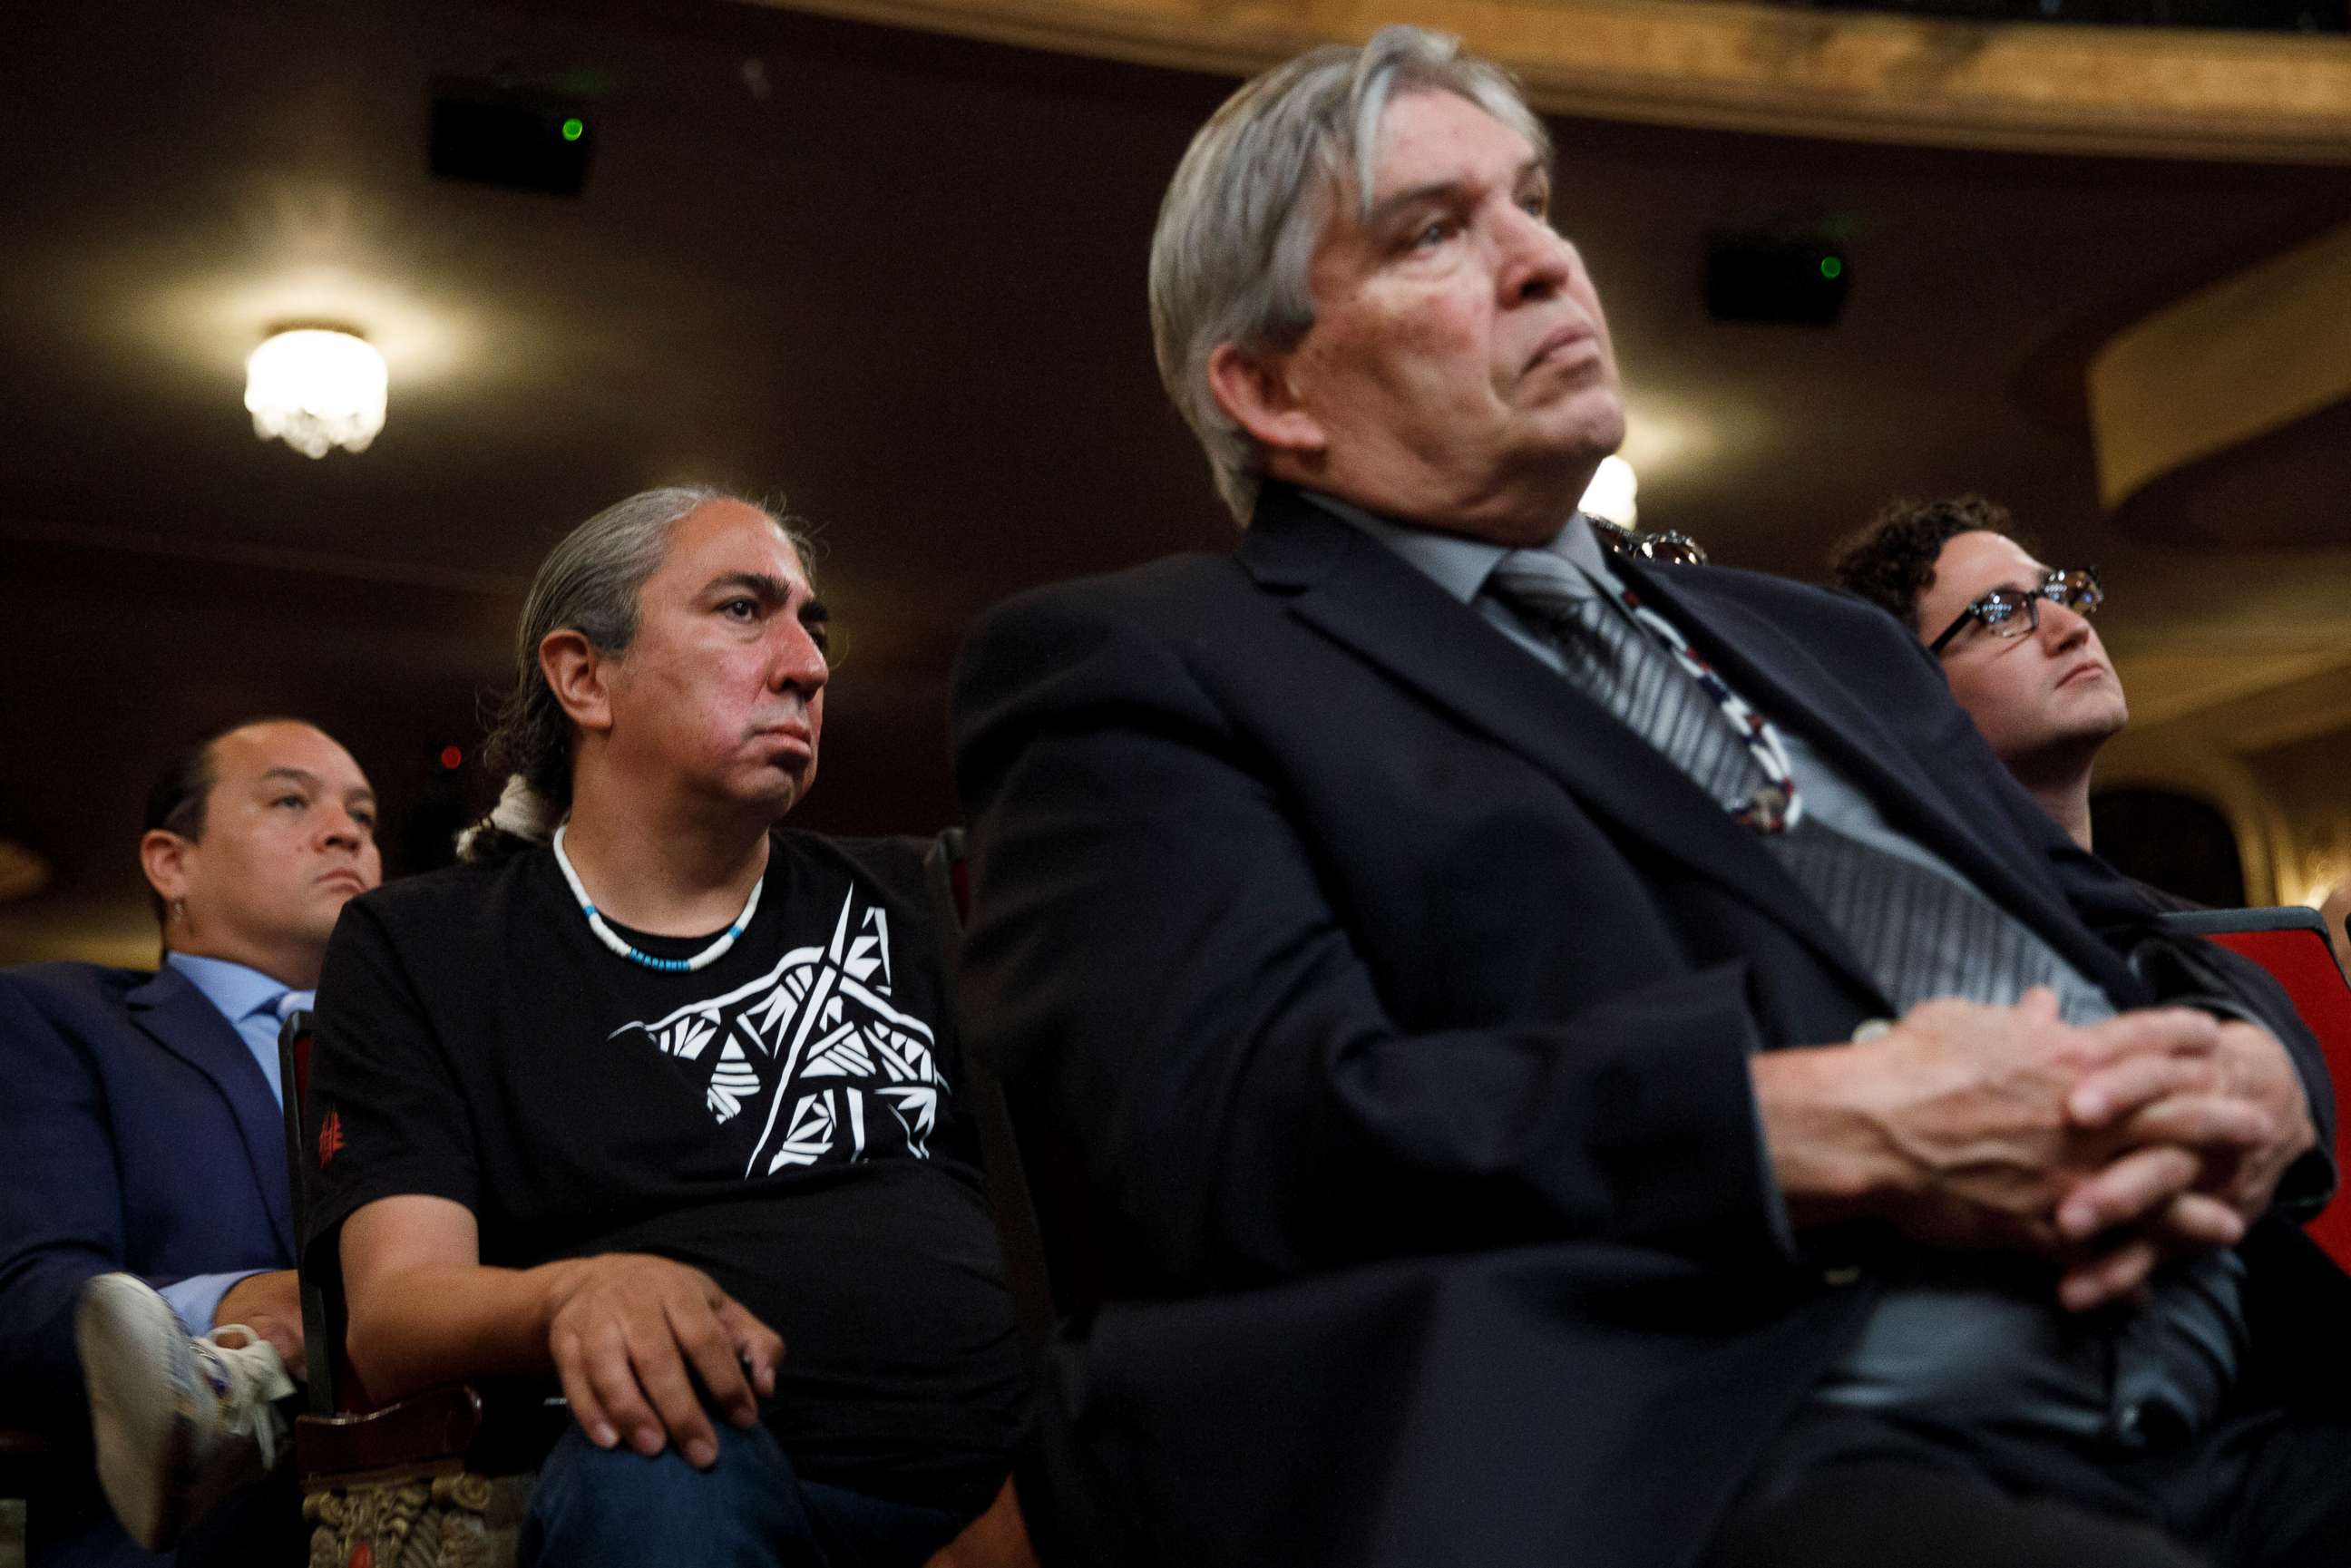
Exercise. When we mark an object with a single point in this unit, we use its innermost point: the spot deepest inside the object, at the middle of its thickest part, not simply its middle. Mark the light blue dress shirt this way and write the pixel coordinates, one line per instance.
(251, 1001)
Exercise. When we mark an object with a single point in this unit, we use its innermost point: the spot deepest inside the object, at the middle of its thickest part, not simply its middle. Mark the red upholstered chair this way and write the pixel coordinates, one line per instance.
(436, 1472)
(2291, 944)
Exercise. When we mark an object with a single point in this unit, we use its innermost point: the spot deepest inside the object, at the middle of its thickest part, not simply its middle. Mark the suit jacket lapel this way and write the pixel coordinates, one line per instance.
(1780, 675)
(1355, 590)
(183, 1021)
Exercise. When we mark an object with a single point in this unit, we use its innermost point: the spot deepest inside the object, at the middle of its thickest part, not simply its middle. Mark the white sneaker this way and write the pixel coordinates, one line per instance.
(179, 1423)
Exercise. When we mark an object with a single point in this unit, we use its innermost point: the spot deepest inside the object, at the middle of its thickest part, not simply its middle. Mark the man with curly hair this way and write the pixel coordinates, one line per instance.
(2013, 635)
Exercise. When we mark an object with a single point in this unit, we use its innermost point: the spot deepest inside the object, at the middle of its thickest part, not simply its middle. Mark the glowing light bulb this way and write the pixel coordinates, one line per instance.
(316, 390)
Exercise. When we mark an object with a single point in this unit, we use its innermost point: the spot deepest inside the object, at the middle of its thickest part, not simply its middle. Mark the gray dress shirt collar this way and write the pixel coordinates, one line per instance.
(1455, 562)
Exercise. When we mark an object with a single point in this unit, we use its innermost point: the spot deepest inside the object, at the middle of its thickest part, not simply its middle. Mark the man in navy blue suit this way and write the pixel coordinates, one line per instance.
(146, 1150)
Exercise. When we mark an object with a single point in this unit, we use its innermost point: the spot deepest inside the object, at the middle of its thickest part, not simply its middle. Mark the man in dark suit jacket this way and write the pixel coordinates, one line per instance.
(1573, 1063)
(142, 1118)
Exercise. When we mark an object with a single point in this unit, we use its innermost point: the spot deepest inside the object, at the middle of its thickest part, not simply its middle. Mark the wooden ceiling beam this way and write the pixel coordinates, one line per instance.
(2183, 93)
(2237, 360)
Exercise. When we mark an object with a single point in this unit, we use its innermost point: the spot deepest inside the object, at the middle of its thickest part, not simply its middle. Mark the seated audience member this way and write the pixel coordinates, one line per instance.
(2015, 642)
(2014, 637)
(658, 1099)
(1579, 1061)
(145, 1172)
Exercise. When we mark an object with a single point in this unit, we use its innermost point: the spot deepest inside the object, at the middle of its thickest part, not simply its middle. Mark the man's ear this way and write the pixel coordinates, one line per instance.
(576, 672)
(1253, 388)
(162, 855)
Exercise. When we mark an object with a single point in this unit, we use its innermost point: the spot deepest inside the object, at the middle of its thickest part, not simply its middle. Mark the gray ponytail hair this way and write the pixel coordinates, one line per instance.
(589, 584)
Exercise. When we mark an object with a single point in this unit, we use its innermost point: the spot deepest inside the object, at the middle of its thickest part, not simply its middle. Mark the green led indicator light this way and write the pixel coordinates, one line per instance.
(576, 128)
(1831, 267)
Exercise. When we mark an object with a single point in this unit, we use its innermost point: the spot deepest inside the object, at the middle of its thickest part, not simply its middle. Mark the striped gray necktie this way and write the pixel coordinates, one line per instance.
(1614, 663)
(1918, 933)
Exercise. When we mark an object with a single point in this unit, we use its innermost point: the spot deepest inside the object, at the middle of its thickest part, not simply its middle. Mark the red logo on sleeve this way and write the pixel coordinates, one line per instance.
(330, 1137)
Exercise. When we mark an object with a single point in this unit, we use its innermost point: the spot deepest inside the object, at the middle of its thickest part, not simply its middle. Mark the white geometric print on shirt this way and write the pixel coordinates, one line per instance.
(828, 1070)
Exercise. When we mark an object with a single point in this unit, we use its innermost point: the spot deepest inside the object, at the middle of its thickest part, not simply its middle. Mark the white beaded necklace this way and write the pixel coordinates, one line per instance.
(613, 939)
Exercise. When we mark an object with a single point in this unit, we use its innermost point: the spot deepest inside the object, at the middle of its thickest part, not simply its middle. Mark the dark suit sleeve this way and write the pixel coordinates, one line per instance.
(2189, 972)
(60, 1208)
(1153, 957)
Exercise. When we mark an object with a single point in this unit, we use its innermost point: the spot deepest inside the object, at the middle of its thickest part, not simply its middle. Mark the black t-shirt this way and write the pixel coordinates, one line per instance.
(788, 1120)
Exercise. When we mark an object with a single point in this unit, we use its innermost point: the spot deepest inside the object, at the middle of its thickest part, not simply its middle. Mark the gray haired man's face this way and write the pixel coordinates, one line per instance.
(1459, 371)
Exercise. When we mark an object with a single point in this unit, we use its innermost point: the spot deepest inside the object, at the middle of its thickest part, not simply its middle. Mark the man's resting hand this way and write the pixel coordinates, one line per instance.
(630, 1334)
(2250, 1068)
(270, 1305)
(2105, 1149)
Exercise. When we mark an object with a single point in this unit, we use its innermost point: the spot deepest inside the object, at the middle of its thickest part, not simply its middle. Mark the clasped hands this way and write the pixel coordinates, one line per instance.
(2106, 1149)
(631, 1335)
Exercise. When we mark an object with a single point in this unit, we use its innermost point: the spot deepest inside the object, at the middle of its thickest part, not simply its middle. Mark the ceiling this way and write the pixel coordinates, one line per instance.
(896, 278)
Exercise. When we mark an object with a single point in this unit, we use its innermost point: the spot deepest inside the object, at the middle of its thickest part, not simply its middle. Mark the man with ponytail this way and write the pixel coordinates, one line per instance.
(659, 1100)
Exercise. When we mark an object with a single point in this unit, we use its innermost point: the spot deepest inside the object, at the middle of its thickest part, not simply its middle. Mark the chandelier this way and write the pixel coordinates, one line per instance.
(314, 389)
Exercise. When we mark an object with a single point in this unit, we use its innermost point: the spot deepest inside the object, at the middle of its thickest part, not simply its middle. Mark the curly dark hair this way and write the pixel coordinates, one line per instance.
(1891, 561)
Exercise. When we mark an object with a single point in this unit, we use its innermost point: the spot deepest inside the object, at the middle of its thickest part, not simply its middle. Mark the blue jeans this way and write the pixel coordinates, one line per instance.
(613, 1506)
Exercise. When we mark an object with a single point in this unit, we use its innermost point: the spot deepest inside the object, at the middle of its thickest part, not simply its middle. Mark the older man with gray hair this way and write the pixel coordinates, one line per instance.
(1579, 1063)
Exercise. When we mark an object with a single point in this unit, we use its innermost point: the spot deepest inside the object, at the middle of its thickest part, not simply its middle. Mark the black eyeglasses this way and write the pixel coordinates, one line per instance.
(2014, 611)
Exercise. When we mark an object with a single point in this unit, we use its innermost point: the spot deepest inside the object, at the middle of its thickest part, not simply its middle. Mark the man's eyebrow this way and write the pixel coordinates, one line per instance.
(814, 611)
(309, 780)
(1385, 209)
(769, 588)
